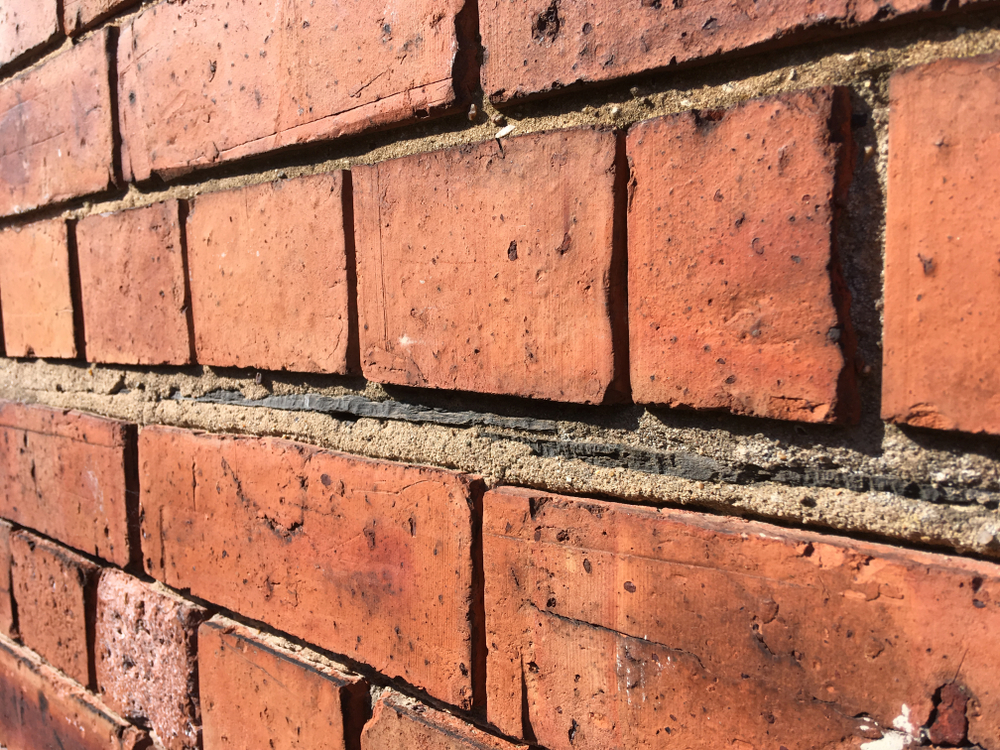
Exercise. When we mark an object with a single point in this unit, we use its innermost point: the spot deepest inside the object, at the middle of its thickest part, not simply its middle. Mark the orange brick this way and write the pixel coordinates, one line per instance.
(492, 268)
(942, 304)
(198, 88)
(25, 26)
(273, 260)
(401, 723)
(146, 645)
(256, 691)
(537, 47)
(56, 594)
(630, 627)
(35, 291)
(56, 139)
(80, 15)
(319, 545)
(69, 476)
(133, 289)
(40, 708)
(735, 298)
(7, 624)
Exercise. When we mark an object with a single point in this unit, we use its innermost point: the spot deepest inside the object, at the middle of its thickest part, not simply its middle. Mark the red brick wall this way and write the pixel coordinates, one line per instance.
(357, 360)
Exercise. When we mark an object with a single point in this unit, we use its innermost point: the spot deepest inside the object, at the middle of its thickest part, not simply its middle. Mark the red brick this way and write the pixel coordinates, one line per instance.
(735, 300)
(942, 304)
(146, 647)
(401, 723)
(40, 708)
(56, 139)
(274, 258)
(541, 46)
(492, 268)
(80, 15)
(611, 624)
(7, 625)
(319, 545)
(56, 594)
(35, 291)
(68, 476)
(26, 25)
(256, 691)
(206, 82)
(134, 294)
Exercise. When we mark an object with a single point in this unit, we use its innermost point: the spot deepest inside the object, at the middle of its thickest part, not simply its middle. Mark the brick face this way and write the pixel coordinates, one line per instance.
(56, 594)
(623, 622)
(26, 26)
(319, 545)
(540, 46)
(491, 268)
(261, 78)
(146, 657)
(40, 708)
(274, 258)
(7, 623)
(133, 290)
(941, 297)
(80, 15)
(35, 291)
(401, 723)
(257, 692)
(734, 287)
(56, 139)
(68, 476)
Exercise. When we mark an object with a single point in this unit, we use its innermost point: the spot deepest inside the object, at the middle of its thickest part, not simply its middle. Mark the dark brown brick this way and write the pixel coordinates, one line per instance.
(319, 545)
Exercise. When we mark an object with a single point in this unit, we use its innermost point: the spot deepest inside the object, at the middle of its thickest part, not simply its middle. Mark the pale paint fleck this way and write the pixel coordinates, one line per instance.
(891, 739)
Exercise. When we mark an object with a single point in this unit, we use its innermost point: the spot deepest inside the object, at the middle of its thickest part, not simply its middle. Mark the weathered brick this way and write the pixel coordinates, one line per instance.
(735, 298)
(146, 649)
(493, 268)
(401, 723)
(69, 476)
(256, 79)
(80, 15)
(56, 595)
(40, 708)
(56, 139)
(259, 691)
(942, 305)
(319, 545)
(35, 291)
(133, 290)
(541, 46)
(25, 26)
(7, 624)
(274, 258)
(630, 627)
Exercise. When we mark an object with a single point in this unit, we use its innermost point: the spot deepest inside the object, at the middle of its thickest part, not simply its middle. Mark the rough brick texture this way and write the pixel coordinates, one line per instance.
(68, 475)
(491, 268)
(401, 723)
(617, 626)
(56, 594)
(80, 15)
(40, 708)
(255, 79)
(274, 258)
(734, 288)
(26, 26)
(539, 46)
(146, 657)
(7, 623)
(256, 691)
(133, 290)
(35, 291)
(56, 139)
(942, 304)
(320, 545)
